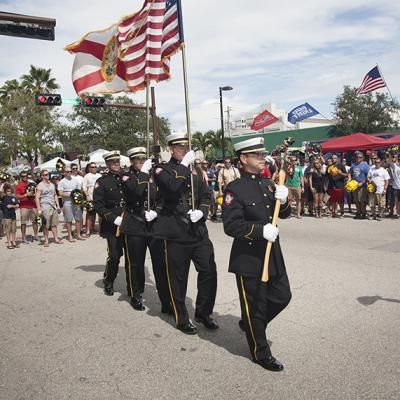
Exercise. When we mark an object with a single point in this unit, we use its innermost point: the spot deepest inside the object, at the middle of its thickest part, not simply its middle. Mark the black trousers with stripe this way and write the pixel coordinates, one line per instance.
(136, 254)
(177, 257)
(261, 303)
(115, 250)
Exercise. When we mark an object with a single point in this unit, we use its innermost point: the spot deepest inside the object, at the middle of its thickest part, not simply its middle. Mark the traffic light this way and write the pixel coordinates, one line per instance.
(93, 101)
(47, 99)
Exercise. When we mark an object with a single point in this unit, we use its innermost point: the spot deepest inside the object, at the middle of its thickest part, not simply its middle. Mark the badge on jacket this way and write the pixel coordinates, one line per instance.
(228, 200)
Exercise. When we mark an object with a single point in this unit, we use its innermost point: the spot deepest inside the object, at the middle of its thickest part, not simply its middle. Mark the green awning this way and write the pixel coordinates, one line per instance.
(272, 139)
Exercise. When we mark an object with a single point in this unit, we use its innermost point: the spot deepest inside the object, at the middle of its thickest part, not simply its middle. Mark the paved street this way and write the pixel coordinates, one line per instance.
(62, 338)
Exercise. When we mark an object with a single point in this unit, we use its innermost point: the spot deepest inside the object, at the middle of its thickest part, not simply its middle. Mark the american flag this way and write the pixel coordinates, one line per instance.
(372, 81)
(148, 39)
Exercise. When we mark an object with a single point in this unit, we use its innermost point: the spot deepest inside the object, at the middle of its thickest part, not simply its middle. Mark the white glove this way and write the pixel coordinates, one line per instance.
(270, 160)
(195, 215)
(118, 221)
(270, 232)
(146, 167)
(188, 158)
(281, 193)
(150, 215)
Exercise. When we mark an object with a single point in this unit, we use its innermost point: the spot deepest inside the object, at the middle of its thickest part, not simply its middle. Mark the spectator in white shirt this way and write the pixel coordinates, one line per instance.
(77, 174)
(380, 177)
(71, 210)
(89, 181)
(394, 166)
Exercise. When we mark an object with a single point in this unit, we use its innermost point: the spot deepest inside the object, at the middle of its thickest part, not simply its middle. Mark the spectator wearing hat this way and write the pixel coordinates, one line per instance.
(9, 205)
(359, 172)
(72, 211)
(89, 181)
(25, 193)
(181, 226)
(109, 202)
(380, 179)
(48, 207)
(247, 212)
(137, 223)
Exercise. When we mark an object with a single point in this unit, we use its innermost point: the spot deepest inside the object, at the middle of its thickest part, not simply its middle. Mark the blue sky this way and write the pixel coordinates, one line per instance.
(285, 52)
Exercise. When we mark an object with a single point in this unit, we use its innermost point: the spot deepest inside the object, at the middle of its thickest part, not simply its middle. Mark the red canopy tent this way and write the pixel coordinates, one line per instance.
(393, 140)
(356, 141)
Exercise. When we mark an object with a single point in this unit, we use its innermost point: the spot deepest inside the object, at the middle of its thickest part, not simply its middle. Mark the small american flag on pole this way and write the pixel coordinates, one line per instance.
(372, 81)
(148, 39)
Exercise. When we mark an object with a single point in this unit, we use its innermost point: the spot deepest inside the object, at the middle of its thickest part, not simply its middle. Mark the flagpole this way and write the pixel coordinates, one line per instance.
(188, 128)
(387, 87)
(148, 118)
(148, 136)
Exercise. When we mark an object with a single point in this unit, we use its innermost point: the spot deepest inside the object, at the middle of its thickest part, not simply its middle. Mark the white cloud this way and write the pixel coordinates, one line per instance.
(285, 51)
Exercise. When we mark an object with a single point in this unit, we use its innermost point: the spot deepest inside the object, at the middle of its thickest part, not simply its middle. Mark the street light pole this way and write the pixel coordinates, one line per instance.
(221, 88)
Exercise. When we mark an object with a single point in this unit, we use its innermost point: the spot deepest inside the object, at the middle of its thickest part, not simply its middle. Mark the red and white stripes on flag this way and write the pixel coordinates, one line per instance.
(148, 39)
(97, 68)
(125, 56)
(372, 81)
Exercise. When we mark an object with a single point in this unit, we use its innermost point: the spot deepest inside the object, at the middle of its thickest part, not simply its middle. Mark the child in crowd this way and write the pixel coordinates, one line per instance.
(9, 204)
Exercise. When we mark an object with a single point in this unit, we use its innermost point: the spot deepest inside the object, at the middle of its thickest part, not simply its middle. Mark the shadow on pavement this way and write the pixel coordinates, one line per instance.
(369, 300)
(91, 268)
(228, 336)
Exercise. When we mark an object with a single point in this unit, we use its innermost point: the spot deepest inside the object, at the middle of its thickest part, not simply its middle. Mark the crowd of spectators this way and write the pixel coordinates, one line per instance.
(41, 199)
(317, 187)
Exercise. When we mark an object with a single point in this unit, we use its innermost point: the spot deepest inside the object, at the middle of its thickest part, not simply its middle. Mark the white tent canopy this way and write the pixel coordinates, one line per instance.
(51, 164)
(97, 157)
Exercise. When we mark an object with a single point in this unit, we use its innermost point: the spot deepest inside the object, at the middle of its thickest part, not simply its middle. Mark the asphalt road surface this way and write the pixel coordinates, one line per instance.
(62, 338)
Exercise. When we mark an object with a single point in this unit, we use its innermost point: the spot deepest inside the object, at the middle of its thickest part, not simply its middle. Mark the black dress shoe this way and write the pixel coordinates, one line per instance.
(207, 321)
(242, 326)
(271, 364)
(188, 328)
(108, 289)
(167, 309)
(137, 304)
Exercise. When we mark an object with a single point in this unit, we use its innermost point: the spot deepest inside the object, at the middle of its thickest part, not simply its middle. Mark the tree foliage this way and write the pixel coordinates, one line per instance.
(25, 130)
(108, 128)
(39, 80)
(366, 113)
(210, 143)
(30, 131)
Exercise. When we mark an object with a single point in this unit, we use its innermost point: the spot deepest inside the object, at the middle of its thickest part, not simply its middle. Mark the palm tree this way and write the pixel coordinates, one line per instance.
(39, 80)
(9, 88)
(215, 144)
(200, 141)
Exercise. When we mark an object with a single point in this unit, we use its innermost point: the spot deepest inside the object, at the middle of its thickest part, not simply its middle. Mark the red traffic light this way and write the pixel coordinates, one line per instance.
(44, 99)
(93, 101)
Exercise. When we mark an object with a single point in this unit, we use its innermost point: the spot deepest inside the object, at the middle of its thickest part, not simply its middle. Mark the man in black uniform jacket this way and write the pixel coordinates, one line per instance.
(109, 203)
(184, 234)
(136, 225)
(247, 212)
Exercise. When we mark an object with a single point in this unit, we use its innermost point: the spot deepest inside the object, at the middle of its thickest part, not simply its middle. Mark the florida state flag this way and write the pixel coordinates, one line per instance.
(262, 120)
(97, 66)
